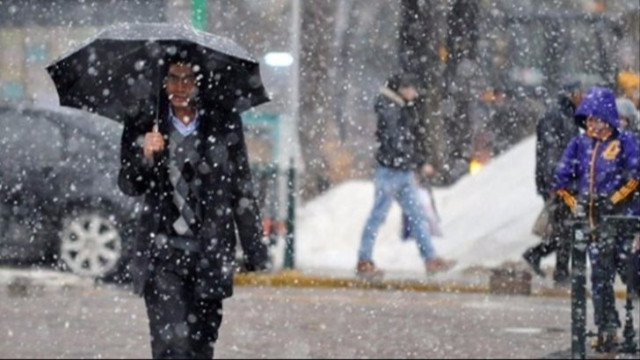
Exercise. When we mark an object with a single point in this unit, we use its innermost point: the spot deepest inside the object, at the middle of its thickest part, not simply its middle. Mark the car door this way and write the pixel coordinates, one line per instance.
(30, 145)
(91, 154)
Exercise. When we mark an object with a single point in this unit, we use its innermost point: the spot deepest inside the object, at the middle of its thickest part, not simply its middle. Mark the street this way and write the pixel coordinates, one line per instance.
(279, 322)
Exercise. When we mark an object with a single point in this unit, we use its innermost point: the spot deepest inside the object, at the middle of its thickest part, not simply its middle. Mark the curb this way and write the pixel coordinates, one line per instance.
(17, 282)
(294, 278)
(297, 279)
(35, 282)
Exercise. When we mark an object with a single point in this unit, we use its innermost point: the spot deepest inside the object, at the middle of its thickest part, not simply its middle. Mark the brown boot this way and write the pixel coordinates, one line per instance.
(605, 343)
(438, 264)
(368, 270)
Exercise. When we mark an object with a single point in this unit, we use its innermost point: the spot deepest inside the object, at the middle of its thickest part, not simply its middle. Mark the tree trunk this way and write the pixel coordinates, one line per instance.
(460, 75)
(420, 40)
(316, 102)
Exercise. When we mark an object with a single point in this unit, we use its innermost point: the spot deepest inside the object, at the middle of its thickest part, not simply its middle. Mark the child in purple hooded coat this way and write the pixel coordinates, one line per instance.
(604, 162)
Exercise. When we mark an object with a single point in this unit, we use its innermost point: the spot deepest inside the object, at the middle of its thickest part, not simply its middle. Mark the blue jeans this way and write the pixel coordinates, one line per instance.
(399, 185)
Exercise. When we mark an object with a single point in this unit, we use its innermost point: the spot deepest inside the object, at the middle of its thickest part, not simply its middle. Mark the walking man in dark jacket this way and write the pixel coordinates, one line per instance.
(192, 168)
(401, 152)
(553, 132)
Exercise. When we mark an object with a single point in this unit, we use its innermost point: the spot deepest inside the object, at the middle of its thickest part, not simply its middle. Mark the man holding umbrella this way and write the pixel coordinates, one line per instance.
(195, 192)
(183, 149)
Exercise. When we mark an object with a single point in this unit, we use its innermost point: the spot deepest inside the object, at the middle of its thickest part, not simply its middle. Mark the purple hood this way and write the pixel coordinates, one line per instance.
(599, 102)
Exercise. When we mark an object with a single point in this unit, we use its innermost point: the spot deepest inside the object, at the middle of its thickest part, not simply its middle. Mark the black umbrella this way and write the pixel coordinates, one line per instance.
(124, 65)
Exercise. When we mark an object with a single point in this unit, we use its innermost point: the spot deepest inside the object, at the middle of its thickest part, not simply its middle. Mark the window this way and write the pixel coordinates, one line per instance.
(28, 141)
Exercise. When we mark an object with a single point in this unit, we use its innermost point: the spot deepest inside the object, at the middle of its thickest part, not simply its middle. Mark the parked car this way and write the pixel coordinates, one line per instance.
(59, 200)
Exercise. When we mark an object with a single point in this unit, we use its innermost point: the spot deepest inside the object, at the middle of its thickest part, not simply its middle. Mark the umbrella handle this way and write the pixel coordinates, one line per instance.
(155, 127)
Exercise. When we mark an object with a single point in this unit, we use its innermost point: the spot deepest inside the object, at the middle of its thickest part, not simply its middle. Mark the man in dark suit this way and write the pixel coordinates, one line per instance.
(190, 162)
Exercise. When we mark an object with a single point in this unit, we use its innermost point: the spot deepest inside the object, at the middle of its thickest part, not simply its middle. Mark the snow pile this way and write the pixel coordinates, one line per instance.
(486, 218)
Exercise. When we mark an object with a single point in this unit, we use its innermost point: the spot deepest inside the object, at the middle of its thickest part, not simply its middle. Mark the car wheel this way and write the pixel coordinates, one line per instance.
(90, 245)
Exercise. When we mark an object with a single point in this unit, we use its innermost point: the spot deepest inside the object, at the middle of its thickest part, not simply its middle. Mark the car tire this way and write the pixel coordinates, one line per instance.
(91, 244)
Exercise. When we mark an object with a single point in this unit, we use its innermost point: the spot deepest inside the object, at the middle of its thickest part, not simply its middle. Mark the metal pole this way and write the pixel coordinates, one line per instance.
(199, 14)
(295, 69)
(578, 291)
(289, 249)
(294, 98)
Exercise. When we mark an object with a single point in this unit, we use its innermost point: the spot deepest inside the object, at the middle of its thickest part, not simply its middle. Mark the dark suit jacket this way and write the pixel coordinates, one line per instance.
(229, 201)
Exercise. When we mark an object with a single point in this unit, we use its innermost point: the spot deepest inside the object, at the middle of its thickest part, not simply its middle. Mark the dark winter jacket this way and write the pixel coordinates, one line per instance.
(606, 169)
(228, 200)
(553, 132)
(399, 133)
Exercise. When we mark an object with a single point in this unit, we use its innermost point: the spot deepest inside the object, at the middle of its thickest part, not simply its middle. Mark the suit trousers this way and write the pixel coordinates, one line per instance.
(182, 325)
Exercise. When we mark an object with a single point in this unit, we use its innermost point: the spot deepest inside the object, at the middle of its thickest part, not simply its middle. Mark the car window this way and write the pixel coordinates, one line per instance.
(89, 147)
(29, 141)
(88, 124)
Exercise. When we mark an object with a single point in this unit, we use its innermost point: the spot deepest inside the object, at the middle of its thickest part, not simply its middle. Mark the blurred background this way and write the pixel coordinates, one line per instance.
(487, 67)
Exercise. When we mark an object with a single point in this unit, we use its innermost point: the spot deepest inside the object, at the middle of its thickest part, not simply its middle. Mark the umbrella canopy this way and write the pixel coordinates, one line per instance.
(125, 64)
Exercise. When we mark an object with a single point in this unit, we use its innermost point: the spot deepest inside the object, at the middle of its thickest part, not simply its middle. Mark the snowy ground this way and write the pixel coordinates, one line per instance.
(486, 218)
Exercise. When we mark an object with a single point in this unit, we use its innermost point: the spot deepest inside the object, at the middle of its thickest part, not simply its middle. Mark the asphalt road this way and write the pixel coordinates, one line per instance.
(85, 321)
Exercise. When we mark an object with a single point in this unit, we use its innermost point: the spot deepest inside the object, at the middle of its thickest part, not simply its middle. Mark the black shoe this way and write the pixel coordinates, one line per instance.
(606, 343)
(534, 262)
(561, 278)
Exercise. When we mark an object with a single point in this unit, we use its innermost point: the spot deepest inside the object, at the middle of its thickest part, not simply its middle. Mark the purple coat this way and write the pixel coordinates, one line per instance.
(597, 168)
